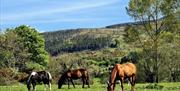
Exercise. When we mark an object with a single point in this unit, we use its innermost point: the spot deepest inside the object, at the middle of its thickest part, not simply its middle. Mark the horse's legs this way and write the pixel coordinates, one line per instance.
(72, 83)
(83, 80)
(114, 85)
(29, 86)
(44, 87)
(130, 80)
(87, 82)
(133, 83)
(122, 81)
(34, 86)
(49, 86)
(68, 83)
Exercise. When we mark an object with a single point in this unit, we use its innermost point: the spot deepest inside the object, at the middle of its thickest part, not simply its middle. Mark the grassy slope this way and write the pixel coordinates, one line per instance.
(96, 87)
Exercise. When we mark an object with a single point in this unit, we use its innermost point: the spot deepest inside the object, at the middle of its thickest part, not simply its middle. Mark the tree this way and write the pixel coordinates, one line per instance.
(171, 52)
(154, 17)
(34, 43)
(21, 47)
(12, 51)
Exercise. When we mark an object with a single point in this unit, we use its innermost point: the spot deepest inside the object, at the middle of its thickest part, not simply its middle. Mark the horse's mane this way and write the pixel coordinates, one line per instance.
(126, 59)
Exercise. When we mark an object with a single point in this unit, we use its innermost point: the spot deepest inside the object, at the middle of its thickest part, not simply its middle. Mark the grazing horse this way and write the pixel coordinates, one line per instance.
(41, 76)
(74, 74)
(121, 72)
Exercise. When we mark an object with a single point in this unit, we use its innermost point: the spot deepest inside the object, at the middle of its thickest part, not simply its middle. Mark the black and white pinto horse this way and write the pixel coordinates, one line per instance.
(41, 76)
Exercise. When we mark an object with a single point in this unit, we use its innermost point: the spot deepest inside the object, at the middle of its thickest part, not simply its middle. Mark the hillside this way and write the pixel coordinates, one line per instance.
(81, 39)
(123, 25)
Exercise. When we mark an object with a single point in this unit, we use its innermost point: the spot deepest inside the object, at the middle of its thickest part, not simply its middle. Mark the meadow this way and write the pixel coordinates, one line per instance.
(175, 86)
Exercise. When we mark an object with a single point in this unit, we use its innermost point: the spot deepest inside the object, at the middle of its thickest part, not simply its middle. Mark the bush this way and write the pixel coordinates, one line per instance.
(35, 66)
(154, 86)
(104, 78)
(7, 76)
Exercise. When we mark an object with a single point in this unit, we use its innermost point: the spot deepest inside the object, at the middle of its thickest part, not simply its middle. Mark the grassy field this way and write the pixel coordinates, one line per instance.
(100, 87)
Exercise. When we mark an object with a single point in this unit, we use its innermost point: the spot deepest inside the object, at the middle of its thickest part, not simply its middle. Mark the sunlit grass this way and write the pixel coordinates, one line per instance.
(96, 87)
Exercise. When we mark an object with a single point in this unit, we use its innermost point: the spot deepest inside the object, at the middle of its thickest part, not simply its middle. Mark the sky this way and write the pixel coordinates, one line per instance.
(53, 15)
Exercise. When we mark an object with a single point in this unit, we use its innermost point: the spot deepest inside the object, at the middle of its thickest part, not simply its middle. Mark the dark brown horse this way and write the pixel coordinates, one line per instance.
(74, 74)
(121, 72)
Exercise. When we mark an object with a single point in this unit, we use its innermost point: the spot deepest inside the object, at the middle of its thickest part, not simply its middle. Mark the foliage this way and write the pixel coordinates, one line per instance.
(154, 86)
(152, 42)
(7, 76)
(78, 40)
(12, 51)
(155, 17)
(34, 43)
(21, 45)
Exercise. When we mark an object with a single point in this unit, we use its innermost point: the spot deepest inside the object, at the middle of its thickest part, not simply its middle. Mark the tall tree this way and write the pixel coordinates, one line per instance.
(154, 17)
(22, 47)
(34, 43)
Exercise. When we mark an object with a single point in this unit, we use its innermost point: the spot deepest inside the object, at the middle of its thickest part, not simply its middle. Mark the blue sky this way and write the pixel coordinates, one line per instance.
(52, 15)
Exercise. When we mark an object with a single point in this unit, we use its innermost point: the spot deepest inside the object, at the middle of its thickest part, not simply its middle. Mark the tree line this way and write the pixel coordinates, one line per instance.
(75, 40)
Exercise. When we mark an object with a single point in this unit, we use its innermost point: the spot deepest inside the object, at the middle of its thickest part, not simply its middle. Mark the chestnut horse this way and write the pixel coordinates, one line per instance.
(74, 74)
(121, 72)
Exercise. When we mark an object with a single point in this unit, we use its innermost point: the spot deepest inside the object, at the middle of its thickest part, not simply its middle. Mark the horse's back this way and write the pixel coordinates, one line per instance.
(130, 68)
(126, 69)
(77, 73)
(84, 72)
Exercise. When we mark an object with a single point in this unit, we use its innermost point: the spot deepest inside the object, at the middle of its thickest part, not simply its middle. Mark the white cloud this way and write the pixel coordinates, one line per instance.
(45, 11)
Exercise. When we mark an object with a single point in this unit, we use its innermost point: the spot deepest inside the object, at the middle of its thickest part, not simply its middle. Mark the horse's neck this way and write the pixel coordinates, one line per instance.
(63, 77)
(113, 75)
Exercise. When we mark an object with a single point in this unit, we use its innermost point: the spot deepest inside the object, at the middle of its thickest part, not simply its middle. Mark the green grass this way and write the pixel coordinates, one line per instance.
(97, 87)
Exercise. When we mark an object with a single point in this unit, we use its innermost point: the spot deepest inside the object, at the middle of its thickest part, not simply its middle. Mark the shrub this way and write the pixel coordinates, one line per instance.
(7, 76)
(154, 86)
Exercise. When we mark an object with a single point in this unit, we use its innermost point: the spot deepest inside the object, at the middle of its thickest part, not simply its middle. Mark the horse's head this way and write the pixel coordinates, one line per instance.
(110, 86)
(59, 84)
(61, 81)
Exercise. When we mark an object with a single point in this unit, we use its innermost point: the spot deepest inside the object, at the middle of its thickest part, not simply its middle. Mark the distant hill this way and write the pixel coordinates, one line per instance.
(71, 40)
(123, 25)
